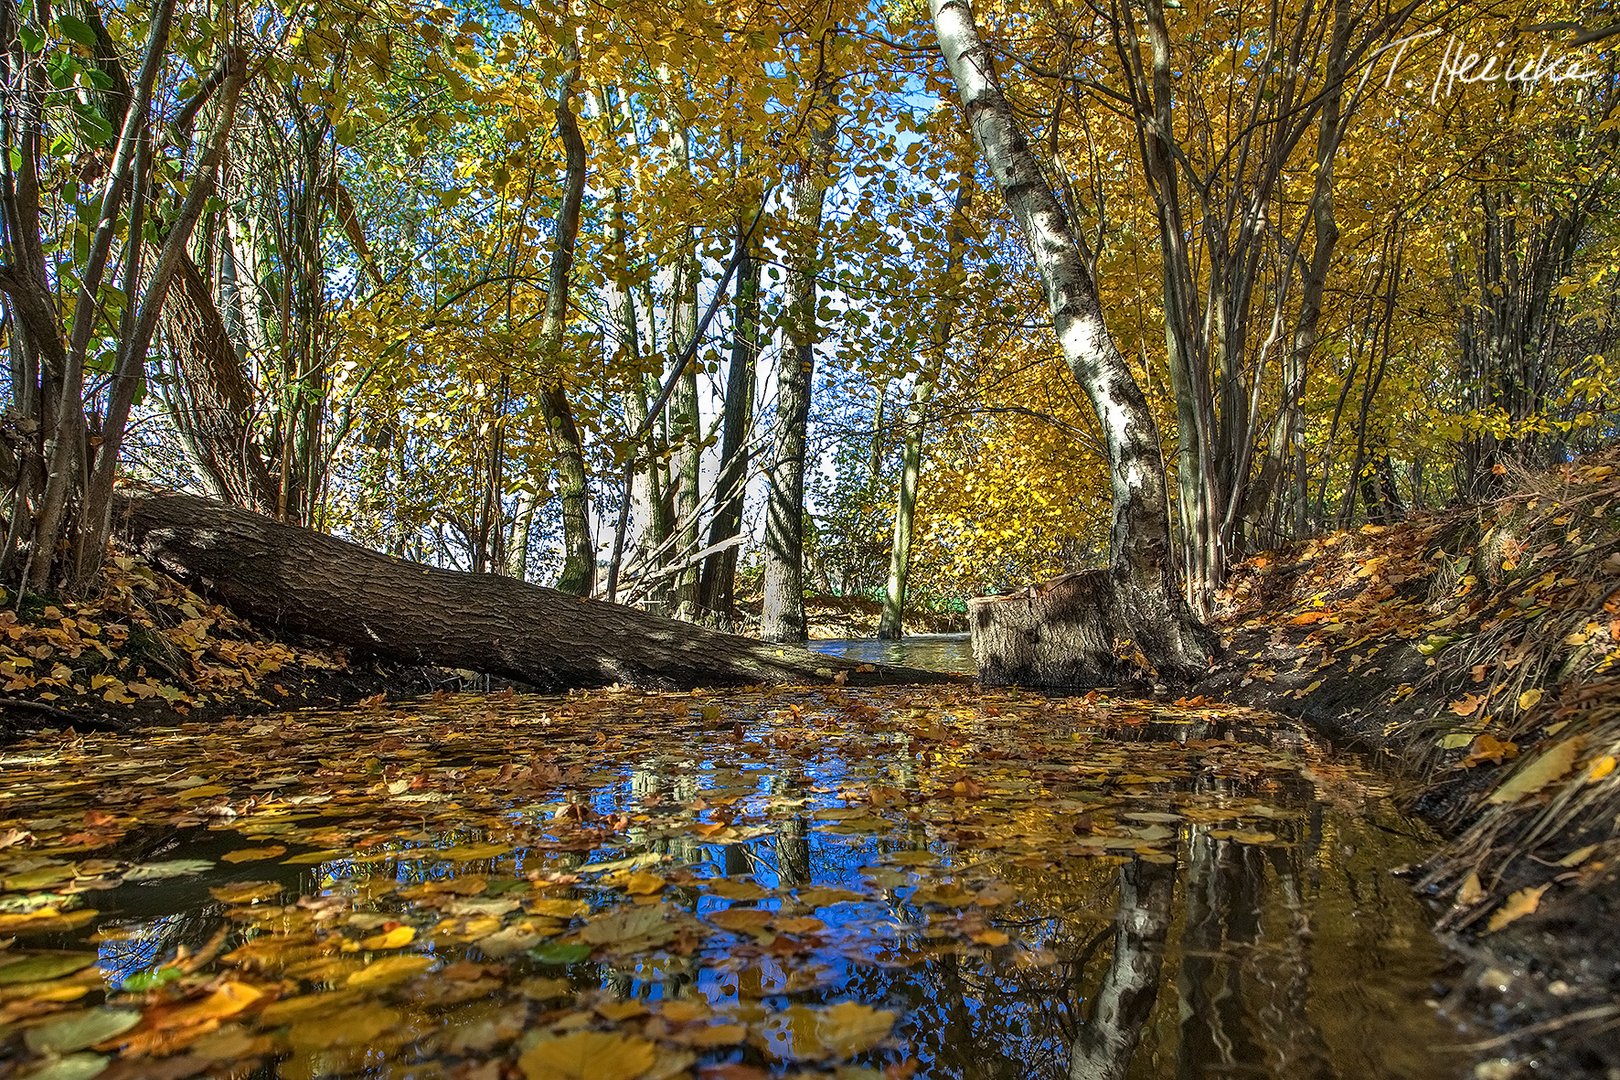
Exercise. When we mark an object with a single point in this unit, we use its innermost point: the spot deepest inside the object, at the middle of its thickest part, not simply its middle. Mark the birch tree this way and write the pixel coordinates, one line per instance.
(1140, 599)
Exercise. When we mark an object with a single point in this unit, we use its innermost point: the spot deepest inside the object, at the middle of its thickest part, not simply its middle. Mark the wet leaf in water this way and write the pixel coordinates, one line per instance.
(41, 967)
(561, 952)
(803, 1033)
(72, 1067)
(243, 855)
(388, 970)
(79, 1030)
(587, 1055)
(245, 892)
(741, 920)
(397, 938)
(625, 927)
(162, 871)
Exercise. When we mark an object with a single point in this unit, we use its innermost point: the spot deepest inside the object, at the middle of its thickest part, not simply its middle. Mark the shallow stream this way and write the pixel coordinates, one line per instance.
(943, 882)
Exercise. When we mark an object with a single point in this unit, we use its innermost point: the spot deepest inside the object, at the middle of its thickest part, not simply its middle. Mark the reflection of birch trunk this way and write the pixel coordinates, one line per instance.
(1222, 911)
(1107, 1042)
(1287, 1019)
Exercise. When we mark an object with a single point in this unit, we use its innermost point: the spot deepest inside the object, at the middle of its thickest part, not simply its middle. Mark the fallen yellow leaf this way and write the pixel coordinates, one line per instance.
(1549, 766)
(397, 938)
(587, 1055)
(390, 969)
(1520, 904)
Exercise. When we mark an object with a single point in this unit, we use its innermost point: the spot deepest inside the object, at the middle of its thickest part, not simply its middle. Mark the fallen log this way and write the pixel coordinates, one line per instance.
(291, 579)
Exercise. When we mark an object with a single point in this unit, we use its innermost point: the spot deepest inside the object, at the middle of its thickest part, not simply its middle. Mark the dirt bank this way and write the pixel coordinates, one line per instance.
(1477, 650)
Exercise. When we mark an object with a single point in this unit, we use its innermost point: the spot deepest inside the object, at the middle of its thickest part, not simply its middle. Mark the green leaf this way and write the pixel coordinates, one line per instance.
(76, 30)
(72, 1067)
(150, 980)
(76, 1031)
(43, 966)
(561, 952)
(162, 871)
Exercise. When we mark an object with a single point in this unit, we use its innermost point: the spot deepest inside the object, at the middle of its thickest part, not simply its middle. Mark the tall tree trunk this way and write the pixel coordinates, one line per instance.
(685, 413)
(579, 552)
(1141, 602)
(782, 618)
(717, 581)
(210, 398)
(891, 622)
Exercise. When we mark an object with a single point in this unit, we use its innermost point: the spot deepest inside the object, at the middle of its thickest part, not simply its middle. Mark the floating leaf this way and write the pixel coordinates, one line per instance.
(803, 1033)
(78, 1030)
(163, 871)
(587, 1055)
(741, 920)
(642, 926)
(397, 938)
(561, 952)
(245, 892)
(43, 966)
(707, 1038)
(47, 920)
(359, 1025)
(72, 1067)
(641, 883)
(390, 969)
(142, 981)
(243, 855)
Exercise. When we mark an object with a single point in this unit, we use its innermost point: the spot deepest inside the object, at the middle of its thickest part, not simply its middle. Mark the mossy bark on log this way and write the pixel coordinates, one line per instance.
(1090, 628)
(295, 580)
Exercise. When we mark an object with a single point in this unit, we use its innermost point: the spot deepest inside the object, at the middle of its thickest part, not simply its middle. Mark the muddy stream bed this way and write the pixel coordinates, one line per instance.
(945, 882)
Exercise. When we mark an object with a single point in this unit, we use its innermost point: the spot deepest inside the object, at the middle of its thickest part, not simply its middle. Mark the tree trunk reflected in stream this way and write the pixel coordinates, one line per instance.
(1131, 985)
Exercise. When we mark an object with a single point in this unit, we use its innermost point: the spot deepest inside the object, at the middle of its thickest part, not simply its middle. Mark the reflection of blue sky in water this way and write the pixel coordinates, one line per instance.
(1302, 959)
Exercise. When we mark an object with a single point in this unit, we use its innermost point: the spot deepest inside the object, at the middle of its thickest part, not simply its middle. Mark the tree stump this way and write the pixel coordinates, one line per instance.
(1088, 628)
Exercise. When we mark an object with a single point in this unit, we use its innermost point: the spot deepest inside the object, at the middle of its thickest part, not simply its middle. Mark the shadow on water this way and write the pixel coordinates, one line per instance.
(1147, 897)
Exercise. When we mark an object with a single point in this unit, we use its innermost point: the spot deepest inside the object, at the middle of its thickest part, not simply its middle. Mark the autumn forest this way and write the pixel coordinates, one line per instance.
(458, 463)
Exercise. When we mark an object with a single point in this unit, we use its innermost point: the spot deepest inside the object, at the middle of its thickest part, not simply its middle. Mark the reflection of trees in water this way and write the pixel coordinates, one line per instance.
(144, 945)
(1130, 986)
(1245, 944)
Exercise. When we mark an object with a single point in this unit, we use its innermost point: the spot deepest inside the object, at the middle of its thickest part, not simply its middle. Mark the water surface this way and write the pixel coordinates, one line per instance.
(931, 652)
(957, 882)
